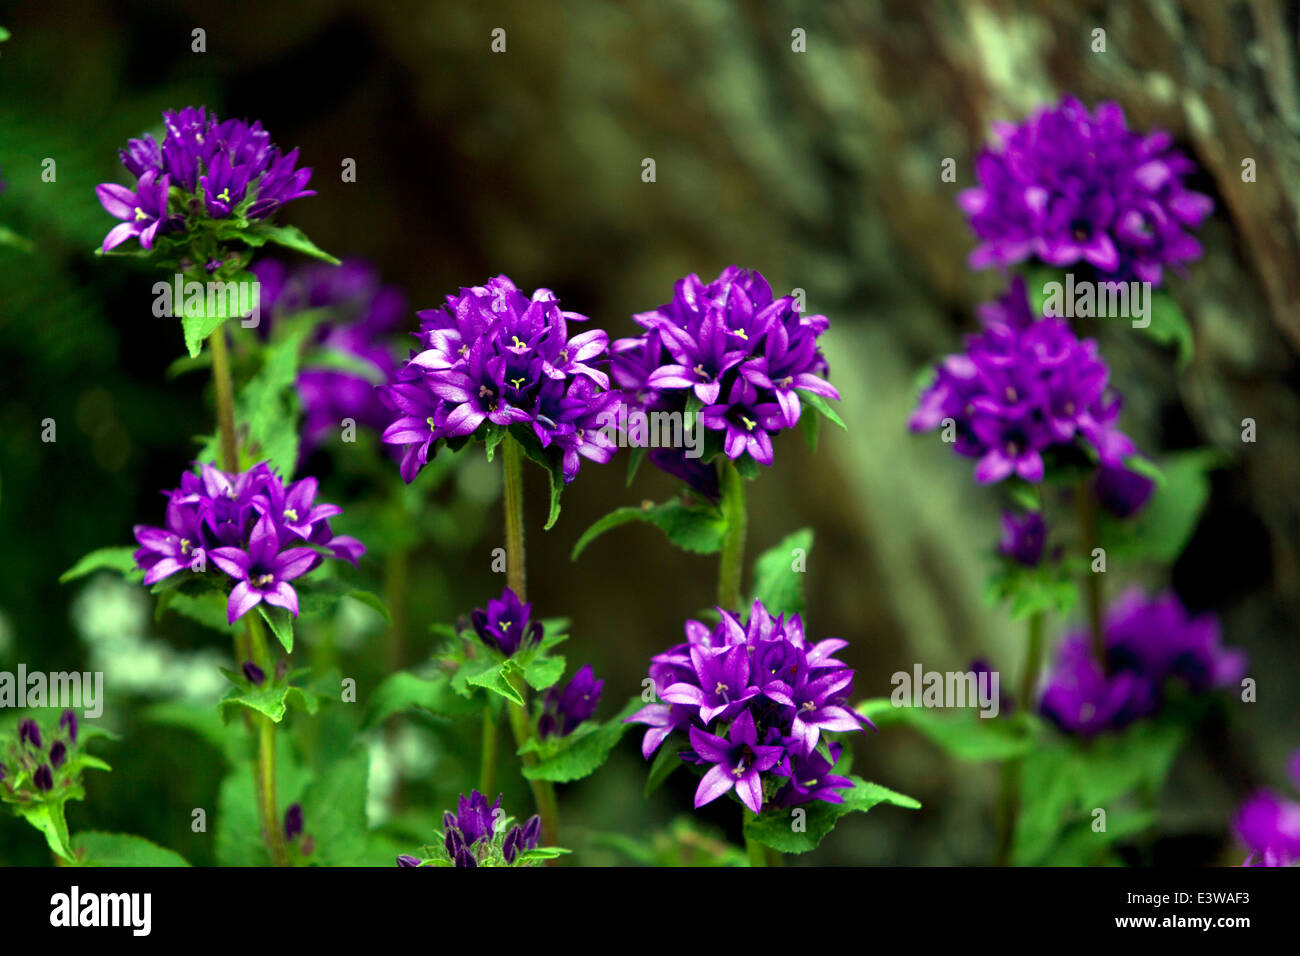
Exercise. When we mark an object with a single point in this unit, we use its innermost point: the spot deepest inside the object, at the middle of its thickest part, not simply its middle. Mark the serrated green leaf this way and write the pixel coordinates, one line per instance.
(404, 690)
(334, 812)
(122, 849)
(497, 680)
(777, 828)
(584, 751)
(272, 700)
(543, 672)
(105, 559)
(290, 237)
(698, 528)
(280, 621)
(778, 574)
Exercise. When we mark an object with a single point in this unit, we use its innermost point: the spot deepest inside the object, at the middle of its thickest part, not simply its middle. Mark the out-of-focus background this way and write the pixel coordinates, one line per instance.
(821, 169)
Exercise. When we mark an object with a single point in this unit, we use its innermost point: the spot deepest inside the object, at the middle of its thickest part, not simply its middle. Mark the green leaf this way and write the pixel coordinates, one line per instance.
(1047, 588)
(583, 752)
(1162, 529)
(280, 621)
(290, 237)
(634, 458)
(665, 762)
(105, 559)
(1168, 326)
(271, 700)
(203, 315)
(964, 735)
(404, 690)
(543, 672)
(822, 406)
(238, 839)
(777, 582)
(269, 404)
(698, 528)
(204, 723)
(206, 607)
(496, 678)
(779, 828)
(122, 849)
(14, 241)
(811, 425)
(48, 818)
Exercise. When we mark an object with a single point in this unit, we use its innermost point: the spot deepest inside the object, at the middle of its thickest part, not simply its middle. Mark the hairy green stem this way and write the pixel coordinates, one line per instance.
(1009, 789)
(264, 763)
(513, 500)
(543, 790)
(227, 447)
(732, 561)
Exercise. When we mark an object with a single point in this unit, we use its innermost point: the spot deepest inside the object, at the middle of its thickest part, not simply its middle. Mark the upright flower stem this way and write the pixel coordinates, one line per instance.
(521, 722)
(1009, 792)
(227, 448)
(514, 512)
(264, 765)
(732, 562)
(1086, 510)
(757, 852)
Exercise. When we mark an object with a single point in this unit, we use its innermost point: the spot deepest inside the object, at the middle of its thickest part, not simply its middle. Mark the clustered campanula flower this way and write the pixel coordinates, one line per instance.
(1269, 824)
(564, 709)
(492, 354)
(744, 355)
(1071, 186)
(753, 700)
(506, 624)
(261, 533)
(1021, 387)
(33, 764)
(477, 835)
(1149, 641)
(219, 170)
(362, 315)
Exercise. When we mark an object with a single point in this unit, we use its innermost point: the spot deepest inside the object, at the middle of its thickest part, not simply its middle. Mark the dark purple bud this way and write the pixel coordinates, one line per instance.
(58, 754)
(453, 841)
(68, 722)
(404, 859)
(1023, 537)
(29, 733)
(43, 778)
(465, 858)
(510, 847)
(532, 832)
(292, 820)
(254, 673)
(1121, 491)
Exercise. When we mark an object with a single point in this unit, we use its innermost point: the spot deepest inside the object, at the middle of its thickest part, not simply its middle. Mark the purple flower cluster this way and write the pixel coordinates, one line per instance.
(754, 701)
(1270, 825)
(259, 531)
(564, 709)
(221, 170)
(1070, 186)
(362, 315)
(743, 354)
(492, 354)
(1148, 643)
(506, 625)
(470, 835)
(1021, 387)
(30, 765)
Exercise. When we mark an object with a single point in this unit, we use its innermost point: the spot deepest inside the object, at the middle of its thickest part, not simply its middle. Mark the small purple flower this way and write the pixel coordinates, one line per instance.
(565, 709)
(58, 754)
(1149, 641)
(737, 761)
(745, 422)
(811, 779)
(1270, 825)
(1023, 537)
(506, 625)
(29, 733)
(263, 571)
(143, 210)
(43, 778)
(1070, 186)
(1122, 491)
